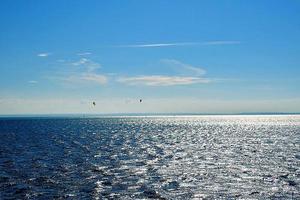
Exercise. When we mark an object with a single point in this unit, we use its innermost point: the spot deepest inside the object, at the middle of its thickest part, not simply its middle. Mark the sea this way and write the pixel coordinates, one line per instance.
(150, 157)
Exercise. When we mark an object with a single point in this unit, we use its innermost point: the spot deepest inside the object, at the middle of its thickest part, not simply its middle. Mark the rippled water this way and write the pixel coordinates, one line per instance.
(183, 157)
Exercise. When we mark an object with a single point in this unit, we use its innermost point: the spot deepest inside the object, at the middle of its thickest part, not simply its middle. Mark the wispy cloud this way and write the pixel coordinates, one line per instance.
(81, 72)
(80, 62)
(183, 67)
(88, 64)
(159, 80)
(149, 45)
(157, 45)
(43, 54)
(84, 53)
(97, 78)
(186, 74)
(87, 78)
(32, 82)
(221, 42)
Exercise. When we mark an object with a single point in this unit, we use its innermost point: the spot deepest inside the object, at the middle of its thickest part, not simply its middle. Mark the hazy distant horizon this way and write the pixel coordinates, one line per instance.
(87, 115)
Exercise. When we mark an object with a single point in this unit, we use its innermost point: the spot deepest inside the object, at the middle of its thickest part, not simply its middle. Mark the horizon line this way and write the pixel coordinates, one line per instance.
(141, 114)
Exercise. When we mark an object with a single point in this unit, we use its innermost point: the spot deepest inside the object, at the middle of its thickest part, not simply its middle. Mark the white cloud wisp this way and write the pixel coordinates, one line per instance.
(159, 80)
(187, 75)
(84, 54)
(87, 64)
(97, 78)
(184, 67)
(43, 54)
(83, 71)
(149, 45)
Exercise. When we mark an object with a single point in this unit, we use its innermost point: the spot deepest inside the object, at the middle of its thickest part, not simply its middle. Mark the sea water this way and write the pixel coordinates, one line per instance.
(144, 157)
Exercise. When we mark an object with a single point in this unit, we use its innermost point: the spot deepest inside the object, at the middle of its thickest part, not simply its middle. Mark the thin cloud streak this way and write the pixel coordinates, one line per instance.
(149, 45)
(43, 54)
(86, 78)
(159, 80)
(84, 53)
(189, 75)
(157, 45)
(175, 63)
(221, 42)
(97, 78)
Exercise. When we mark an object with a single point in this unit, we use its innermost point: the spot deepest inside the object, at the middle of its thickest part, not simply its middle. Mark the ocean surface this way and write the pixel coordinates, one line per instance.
(151, 157)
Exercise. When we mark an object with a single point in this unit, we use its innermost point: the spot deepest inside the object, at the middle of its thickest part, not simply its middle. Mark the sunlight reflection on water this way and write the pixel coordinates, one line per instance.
(162, 157)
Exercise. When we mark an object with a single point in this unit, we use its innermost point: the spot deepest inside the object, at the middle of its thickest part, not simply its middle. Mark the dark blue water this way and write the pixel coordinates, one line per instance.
(184, 157)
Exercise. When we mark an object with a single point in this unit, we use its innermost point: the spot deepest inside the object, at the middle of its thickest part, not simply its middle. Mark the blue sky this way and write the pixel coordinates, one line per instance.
(178, 56)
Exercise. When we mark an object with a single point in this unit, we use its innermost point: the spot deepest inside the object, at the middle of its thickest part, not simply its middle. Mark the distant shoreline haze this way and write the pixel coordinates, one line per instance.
(77, 115)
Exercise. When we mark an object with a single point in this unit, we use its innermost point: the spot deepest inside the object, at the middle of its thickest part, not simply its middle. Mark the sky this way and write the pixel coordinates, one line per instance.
(208, 56)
